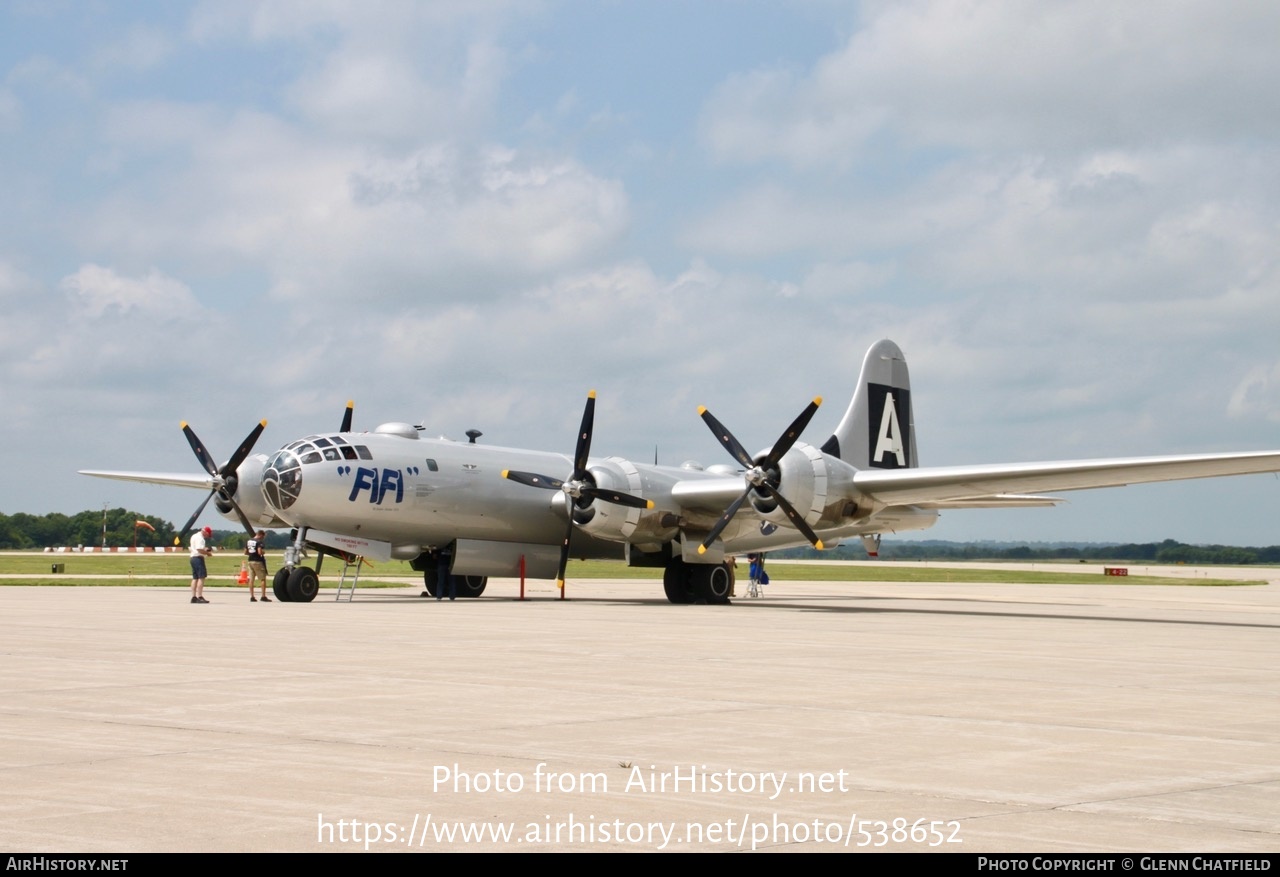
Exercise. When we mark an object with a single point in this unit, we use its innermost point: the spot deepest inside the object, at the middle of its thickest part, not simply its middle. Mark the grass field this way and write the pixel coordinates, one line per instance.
(173, 569)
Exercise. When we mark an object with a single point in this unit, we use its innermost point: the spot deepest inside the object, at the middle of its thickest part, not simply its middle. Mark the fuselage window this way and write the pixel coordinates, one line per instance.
(431, 464)
(348, 452)
(363, 452)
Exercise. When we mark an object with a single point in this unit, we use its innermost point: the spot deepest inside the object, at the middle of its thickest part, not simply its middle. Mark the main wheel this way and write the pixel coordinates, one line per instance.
(280, 585)
(430, 581)
(675, 582)
(713, 584)
(471, 586)
(304, 584)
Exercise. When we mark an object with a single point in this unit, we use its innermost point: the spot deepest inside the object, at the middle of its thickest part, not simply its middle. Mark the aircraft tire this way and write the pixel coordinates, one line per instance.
(675, 582)
(713, 584)
(429, 582)
(471, 586)
(280, 585)
(304, 584)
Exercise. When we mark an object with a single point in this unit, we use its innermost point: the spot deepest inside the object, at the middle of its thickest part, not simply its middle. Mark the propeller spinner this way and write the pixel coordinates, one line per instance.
(764, 476)
(580, 488)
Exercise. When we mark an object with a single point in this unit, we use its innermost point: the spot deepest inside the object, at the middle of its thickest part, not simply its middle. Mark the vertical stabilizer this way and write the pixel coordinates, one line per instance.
(878, 430)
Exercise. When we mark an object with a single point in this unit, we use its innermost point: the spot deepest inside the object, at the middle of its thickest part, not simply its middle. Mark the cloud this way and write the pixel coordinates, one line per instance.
(1000, 75)
(97, 292)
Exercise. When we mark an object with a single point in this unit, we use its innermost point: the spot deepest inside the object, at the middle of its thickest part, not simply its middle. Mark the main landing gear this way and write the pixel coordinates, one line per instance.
(698, 582)
(468, 586)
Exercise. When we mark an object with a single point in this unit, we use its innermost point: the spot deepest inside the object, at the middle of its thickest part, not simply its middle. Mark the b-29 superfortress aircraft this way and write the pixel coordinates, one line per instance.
(475, 510)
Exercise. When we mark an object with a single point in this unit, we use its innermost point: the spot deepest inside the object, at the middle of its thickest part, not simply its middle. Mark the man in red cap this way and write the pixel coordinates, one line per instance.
(199, 551)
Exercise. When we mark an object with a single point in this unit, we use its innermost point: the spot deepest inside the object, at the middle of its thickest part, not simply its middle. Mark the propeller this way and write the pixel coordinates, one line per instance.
(580, 488)
(224, 478)
(346, 416)
(764, 475)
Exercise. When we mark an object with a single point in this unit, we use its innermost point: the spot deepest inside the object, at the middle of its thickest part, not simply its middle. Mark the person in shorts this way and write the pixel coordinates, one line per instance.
(253, 549)
(199, 551)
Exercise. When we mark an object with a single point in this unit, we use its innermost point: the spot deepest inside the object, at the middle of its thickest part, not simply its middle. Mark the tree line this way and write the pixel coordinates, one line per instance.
(33, 532)
(1168, 551)
(22, 531)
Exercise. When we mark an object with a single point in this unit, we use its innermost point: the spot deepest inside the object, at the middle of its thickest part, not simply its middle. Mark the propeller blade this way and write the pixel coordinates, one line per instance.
(564, 553)
(788, 438)
(616, 498)
(722, 434)
(533, 479)
(584, 438)
(201, 454)
(186, 528)
(797, 520)
(723, 522)
(346, 416)
(248, 528)
(243, 451)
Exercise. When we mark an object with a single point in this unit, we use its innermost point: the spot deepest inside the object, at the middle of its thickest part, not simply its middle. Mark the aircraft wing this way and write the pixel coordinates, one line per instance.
(951, 485)
(173, 479)
(715, 494)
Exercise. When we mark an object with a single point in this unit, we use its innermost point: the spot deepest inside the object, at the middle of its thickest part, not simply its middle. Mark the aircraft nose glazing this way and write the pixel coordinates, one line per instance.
(282, 480)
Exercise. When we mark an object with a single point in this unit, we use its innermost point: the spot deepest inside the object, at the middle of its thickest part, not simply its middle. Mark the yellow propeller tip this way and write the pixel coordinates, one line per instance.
(702, 549)
(650, 505)
(817, 400)
(818, 545)
(560, 584)
(182, 425)
(351, 403)
(263, 422)
(702, 409)
(591, 394)
(506, 472)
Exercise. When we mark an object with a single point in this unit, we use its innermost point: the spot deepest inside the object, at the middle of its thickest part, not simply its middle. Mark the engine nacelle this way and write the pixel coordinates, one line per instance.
(615, 522)
(247, 490)
(816, 484)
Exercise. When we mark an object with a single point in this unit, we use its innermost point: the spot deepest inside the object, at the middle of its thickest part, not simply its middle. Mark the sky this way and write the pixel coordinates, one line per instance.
(467, 215)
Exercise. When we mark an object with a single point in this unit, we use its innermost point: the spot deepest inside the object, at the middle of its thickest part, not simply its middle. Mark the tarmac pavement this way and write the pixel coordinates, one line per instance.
(825, 716)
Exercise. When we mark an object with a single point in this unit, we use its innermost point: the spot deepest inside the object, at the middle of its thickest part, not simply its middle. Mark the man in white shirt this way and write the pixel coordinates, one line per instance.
(199, 551)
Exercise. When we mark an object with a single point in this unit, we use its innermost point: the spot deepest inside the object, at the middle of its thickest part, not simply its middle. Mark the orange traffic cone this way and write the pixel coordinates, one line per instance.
(243, 578)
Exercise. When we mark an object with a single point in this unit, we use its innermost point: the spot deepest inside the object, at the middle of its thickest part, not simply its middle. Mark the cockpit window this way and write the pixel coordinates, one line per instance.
(348, 452)
(363, 452)
(332, 454)
(311, 457)
(337, 440)
(431, 464)
(322, 443)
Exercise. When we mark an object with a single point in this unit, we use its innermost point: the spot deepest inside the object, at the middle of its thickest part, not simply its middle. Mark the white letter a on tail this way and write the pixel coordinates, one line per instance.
(889, 439)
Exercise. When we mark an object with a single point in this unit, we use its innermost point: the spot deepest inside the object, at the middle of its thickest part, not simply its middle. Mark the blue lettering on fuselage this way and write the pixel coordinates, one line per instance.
(378, 485)
(390, 479)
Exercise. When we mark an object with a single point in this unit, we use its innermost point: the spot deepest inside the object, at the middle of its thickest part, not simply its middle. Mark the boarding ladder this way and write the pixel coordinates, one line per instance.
(347, 562)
